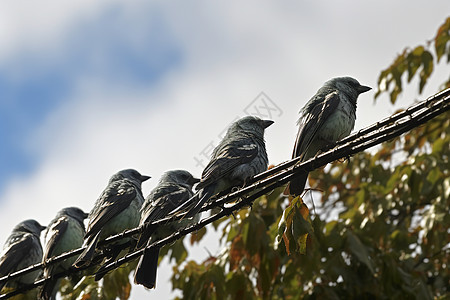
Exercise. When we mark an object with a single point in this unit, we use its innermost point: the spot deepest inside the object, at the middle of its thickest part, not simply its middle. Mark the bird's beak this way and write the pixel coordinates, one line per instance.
(266, 123)
(144, 178)
(194, 180)
(85, 215)
(43, 227)
(363, 89)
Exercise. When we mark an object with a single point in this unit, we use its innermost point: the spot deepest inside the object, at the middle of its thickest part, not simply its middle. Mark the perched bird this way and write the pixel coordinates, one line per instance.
(64, 233)
(239, 156)
(325, 119)
(116, 210)
(173, 189)
(22, 249)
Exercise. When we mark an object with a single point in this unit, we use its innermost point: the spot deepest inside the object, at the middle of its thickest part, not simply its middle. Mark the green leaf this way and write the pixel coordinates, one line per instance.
(434, 175)
(29, 295)
(300, 230)
(330, 226)
(178, 251)
(400, 239)
(210, 284)
(300, 226)
(421, 291)
(442, 38)
(116, 284)
(245, 231)
(359, 250)
(256, 233)
(294, 226)
(237, 252)
(427, 62)
(239, 286)
(415, 183)
(418, 51)
(414, 62)
(438, 145)
(86, 288)
(198, 235)
(394, 94)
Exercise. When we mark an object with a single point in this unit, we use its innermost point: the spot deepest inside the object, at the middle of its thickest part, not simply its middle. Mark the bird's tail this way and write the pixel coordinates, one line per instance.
(145, 235)
(296, 186)
(111, 255)
(188, 204)
(87, 255)
(49, 290)
(201, 198)
(195, 203)
(146, 269)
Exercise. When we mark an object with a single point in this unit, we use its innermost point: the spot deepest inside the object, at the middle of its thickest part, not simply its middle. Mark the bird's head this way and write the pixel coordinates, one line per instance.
(30, 226)
(179, 177)
(74, 212)
(349, 86)
(129, 174)
(251, 124)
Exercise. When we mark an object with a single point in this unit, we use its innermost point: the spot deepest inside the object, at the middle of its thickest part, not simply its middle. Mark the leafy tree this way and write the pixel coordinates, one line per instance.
(410, 61)
(380, 231)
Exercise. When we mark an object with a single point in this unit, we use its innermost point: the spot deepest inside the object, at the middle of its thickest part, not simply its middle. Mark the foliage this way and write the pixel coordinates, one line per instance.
(29, 295)
(115, 285)
(410, 61)
(380, 230)
(387, 240)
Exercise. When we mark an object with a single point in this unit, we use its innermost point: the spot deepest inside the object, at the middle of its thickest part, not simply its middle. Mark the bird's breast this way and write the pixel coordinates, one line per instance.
(71, 239)
(259, 164)
(339, 124)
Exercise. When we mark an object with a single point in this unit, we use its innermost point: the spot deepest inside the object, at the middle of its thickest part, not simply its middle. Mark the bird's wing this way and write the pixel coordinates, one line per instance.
(232, 154)
(113, 201)
(15, 253)
(164, 200)
(56, 230)
(310, 122)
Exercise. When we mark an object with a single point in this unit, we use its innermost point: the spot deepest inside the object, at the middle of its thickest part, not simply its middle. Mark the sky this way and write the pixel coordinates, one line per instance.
(88, 88)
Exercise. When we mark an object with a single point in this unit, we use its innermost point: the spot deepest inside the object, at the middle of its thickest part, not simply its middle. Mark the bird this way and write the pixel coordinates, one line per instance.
(174, 188)
(21, 250)
(116, 210)
(326, 118)
(64, 233)
(240, 155)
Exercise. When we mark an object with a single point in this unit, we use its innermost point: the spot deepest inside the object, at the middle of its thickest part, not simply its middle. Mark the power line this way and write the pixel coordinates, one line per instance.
(268, 184)
(265, 182)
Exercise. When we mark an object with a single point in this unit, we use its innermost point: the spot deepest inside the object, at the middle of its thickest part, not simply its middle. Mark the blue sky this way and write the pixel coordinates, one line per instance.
(43, 82)
(89, 88)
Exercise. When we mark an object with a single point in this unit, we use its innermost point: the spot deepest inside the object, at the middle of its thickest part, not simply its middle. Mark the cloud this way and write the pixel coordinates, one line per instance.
(115, 48)
(33, 27)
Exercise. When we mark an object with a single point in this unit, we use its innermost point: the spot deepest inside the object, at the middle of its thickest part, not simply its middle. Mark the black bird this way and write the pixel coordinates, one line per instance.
(64, 233)
(327, 117)
(173, 189)
(239, 156)
(116, 210)
(22, 249)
